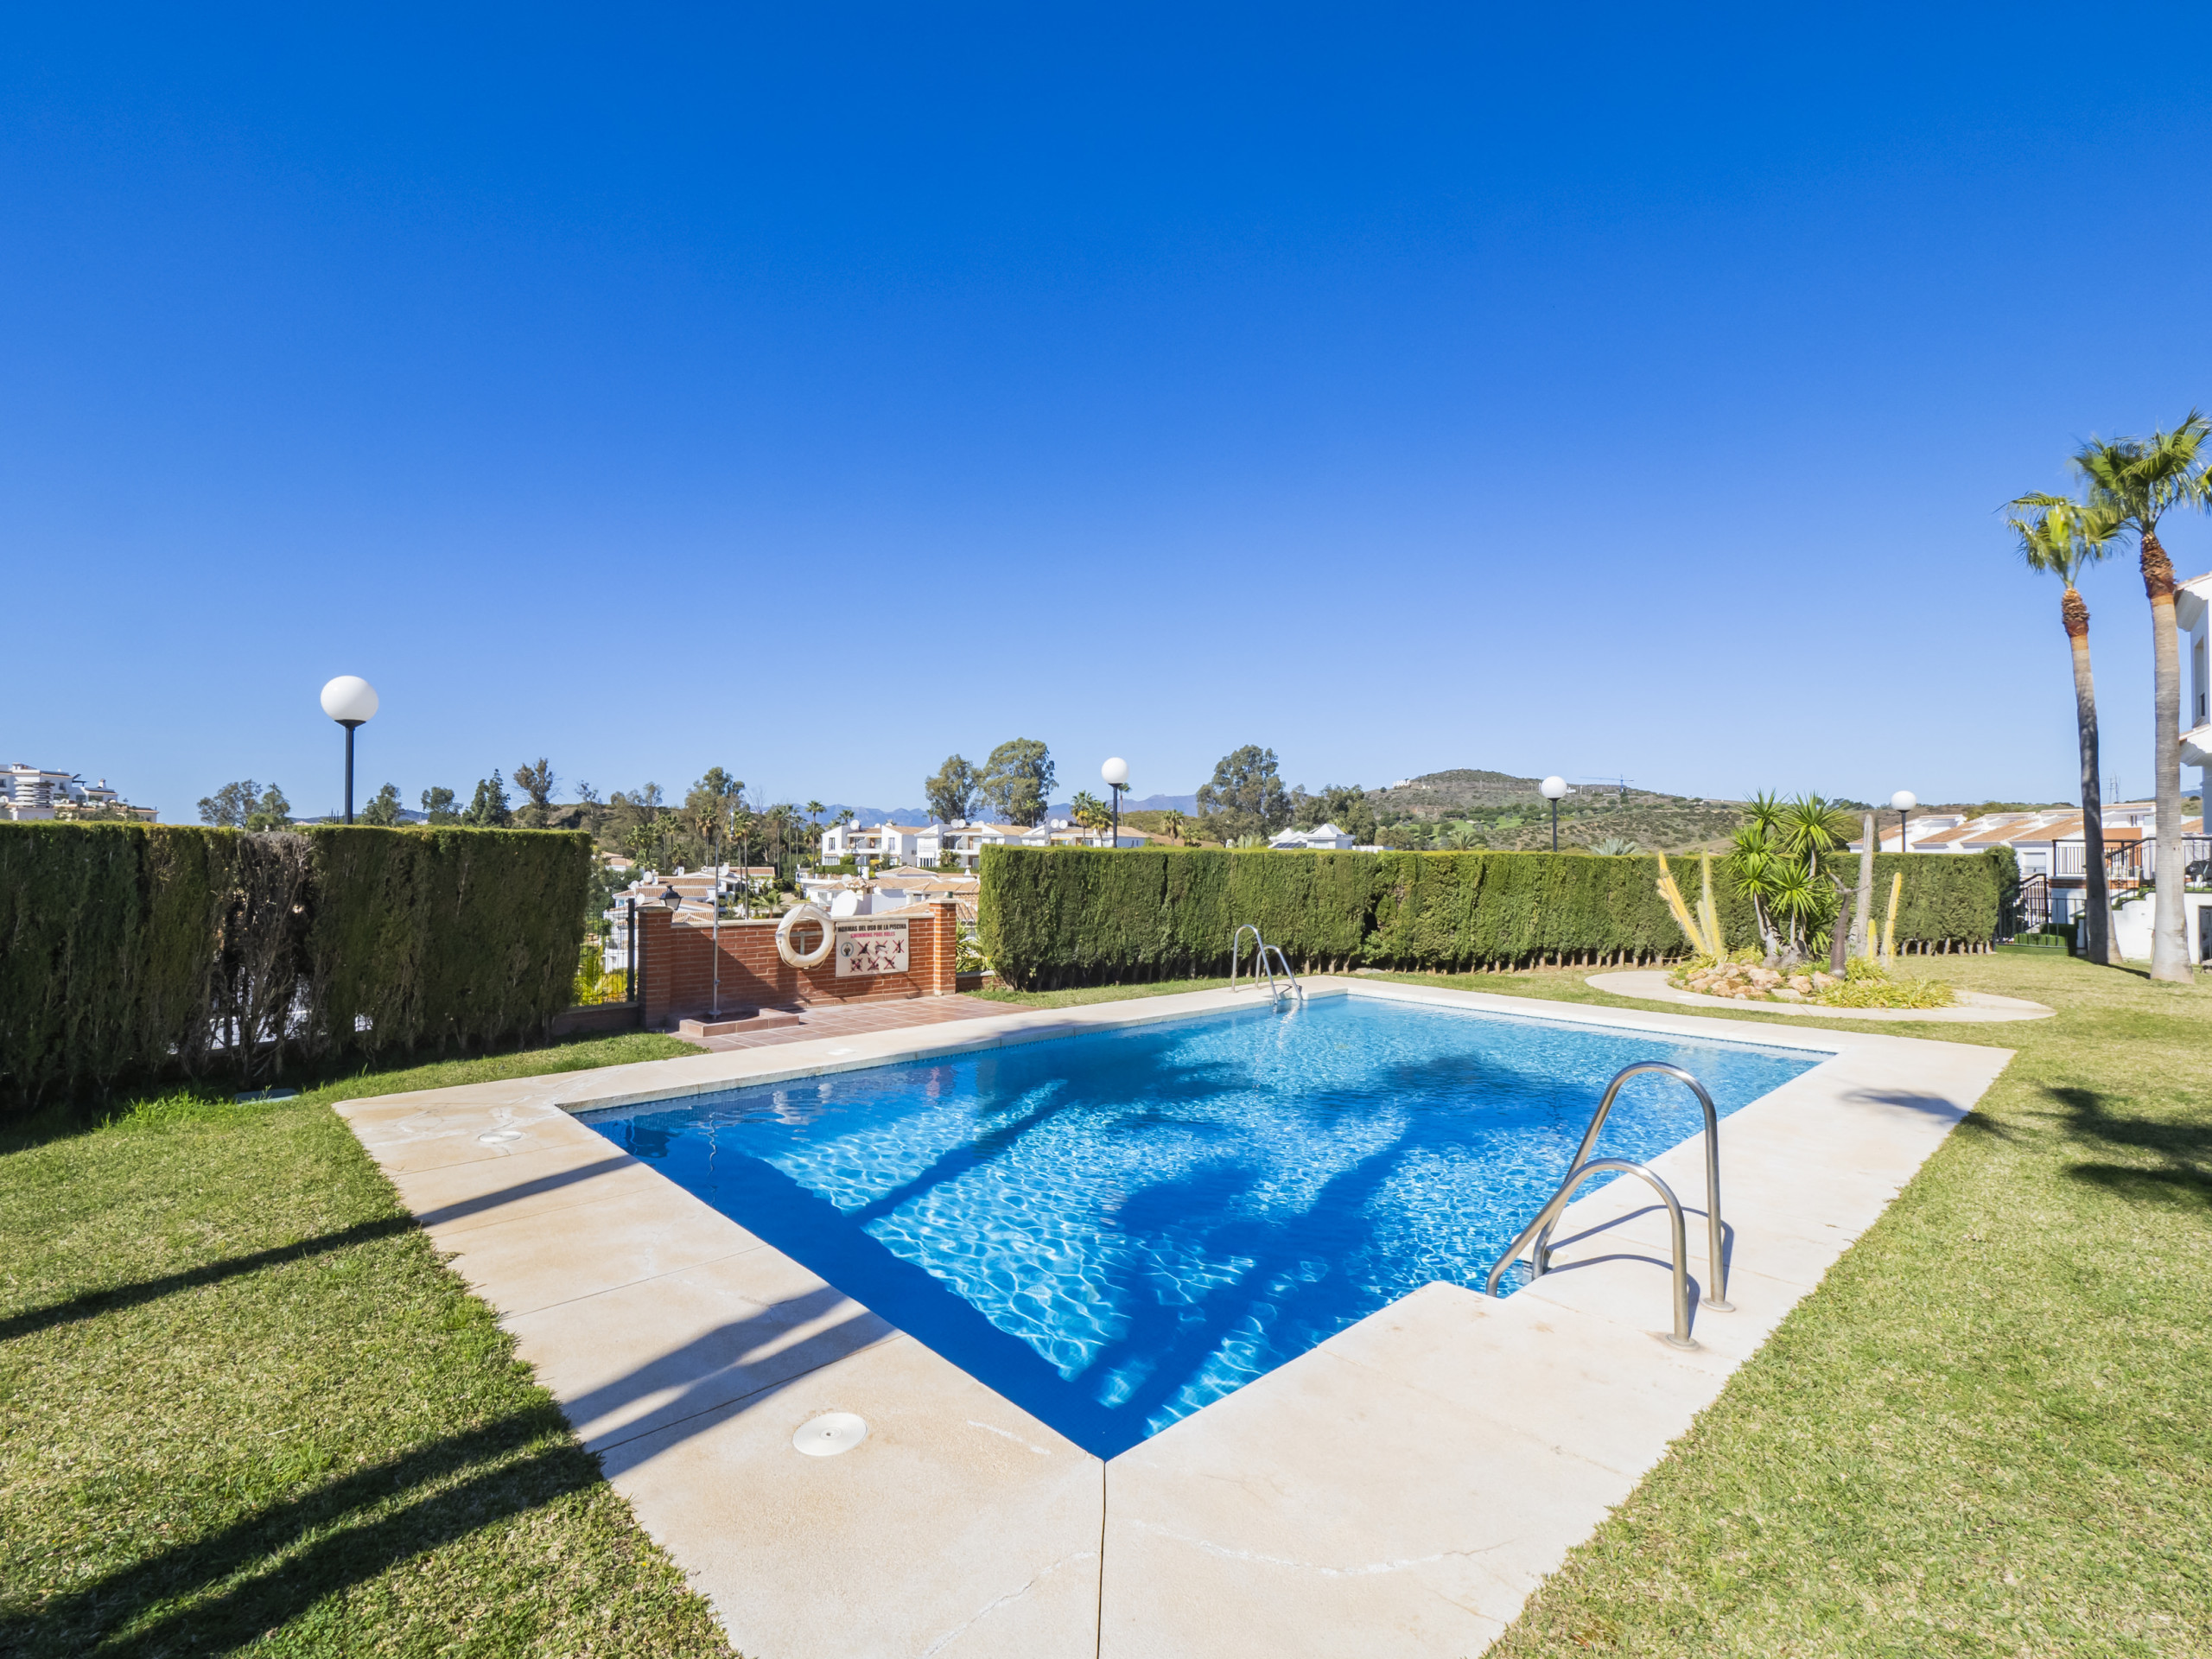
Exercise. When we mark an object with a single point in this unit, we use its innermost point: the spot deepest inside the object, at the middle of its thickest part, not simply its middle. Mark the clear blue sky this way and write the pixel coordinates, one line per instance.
(818, 392)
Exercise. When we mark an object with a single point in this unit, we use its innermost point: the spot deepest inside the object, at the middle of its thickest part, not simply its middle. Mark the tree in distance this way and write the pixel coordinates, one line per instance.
(271, 811)
(1246, 797)
(535, 778)
(488, 809)
(2061, 538)
(2138, 482)
(1172, 824)
(1017, 780)
(437, 804)
(229, 806)
(383, 808)
(1346, 806)
(951, 789)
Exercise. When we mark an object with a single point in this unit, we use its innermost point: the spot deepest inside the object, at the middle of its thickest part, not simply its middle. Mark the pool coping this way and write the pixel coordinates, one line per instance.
(1403, 1487)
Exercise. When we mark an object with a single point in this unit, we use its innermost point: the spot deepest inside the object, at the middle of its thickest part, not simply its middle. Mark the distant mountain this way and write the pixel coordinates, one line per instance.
(1465, 789)
(1130, 804)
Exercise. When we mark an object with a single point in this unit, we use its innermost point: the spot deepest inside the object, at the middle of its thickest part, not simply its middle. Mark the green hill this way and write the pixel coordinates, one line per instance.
(1497, 810)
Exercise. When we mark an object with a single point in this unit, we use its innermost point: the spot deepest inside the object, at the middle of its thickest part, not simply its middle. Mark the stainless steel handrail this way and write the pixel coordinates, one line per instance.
(1717, 1299)
(1538, 1234)
(1287, 970)
(1549, 1213)
(1260, 951)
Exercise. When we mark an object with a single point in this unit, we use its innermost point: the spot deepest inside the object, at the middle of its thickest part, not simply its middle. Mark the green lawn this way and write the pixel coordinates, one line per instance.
(1082, 995)
(1990, 1429)
(243, 1408)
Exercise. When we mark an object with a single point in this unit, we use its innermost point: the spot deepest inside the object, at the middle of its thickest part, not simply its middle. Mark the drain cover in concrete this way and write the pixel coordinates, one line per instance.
(829, 1434)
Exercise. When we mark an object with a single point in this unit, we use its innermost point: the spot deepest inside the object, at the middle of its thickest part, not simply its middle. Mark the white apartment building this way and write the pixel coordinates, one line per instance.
(926, 844)
(31, 793)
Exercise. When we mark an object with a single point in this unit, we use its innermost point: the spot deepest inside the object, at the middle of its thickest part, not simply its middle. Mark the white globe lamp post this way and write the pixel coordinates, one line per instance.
(351, 701)
(1902, 802)
(1551, 788)
(1116, 772)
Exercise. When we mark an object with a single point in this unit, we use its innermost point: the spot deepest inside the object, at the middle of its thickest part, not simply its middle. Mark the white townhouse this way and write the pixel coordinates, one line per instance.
(927, 844)
(2052, 851)
(1324, 838)
(2192, 614)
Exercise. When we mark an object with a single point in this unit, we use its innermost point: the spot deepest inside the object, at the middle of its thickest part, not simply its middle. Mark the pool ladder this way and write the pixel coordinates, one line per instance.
(1536, 1237)
(1265, 957)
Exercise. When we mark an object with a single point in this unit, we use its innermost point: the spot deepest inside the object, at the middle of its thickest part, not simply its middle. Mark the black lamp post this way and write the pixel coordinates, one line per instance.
(1116, 772)
(1551, 788)
(351, 701)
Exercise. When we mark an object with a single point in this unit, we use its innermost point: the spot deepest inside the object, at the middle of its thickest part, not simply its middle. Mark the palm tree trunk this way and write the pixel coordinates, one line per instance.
(2097, 921)
(2169, 943)
(1863, 917)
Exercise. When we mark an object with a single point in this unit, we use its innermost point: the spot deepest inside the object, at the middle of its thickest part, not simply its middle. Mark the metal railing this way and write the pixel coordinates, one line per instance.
(1265, 957)
(1536, 1238)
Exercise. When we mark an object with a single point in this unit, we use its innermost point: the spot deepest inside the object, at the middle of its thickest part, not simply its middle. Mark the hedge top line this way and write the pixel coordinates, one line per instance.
(1073, 914)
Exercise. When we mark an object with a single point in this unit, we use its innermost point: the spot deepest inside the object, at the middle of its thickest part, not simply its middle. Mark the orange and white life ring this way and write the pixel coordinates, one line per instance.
(791, 953)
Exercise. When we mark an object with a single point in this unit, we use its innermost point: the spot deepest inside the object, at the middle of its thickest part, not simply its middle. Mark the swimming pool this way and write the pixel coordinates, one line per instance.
(1114, 1230)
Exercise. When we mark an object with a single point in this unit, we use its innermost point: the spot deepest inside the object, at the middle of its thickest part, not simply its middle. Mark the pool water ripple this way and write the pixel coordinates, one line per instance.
(1116, 1229)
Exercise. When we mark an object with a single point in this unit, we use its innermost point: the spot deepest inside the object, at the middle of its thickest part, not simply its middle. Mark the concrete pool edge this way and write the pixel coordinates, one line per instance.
(1403, 1486)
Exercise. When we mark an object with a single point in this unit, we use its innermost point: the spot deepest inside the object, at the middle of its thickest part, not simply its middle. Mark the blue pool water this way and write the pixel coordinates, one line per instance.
(1113, 1230)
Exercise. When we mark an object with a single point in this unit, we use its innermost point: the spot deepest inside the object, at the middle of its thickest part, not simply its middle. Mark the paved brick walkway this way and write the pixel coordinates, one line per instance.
(829, 1021)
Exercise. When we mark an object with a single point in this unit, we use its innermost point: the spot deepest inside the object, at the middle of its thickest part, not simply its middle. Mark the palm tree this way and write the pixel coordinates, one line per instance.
(1089, 812)
(1173, 822)
(2138, 480)
(1809, 826)
(2061, 538)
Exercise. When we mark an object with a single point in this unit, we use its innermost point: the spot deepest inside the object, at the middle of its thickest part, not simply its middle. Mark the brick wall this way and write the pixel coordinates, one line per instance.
(679, 962)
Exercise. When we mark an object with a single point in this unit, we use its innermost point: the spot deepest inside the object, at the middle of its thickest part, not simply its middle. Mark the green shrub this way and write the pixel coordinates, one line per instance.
(1064, 916)
(133, 951)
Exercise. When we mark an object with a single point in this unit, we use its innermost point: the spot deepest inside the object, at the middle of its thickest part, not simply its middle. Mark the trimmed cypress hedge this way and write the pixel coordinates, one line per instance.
(130, 952)
(1064, 916)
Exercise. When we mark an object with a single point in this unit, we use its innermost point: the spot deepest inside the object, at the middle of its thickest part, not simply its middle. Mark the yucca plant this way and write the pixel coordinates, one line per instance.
(1775, 857)
(1615, 847)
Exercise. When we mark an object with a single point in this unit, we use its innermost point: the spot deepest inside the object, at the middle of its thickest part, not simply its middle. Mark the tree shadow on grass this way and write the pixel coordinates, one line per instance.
(2173, 1159)
(270, 1567)
(110, 1298)
(91, 1304)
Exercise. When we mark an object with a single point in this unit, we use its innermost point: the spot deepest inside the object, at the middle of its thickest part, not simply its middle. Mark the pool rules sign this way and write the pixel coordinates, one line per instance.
(865, 945)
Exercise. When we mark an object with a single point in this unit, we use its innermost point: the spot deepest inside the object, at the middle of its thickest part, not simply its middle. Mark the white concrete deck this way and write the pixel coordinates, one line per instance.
(1399, 1489)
